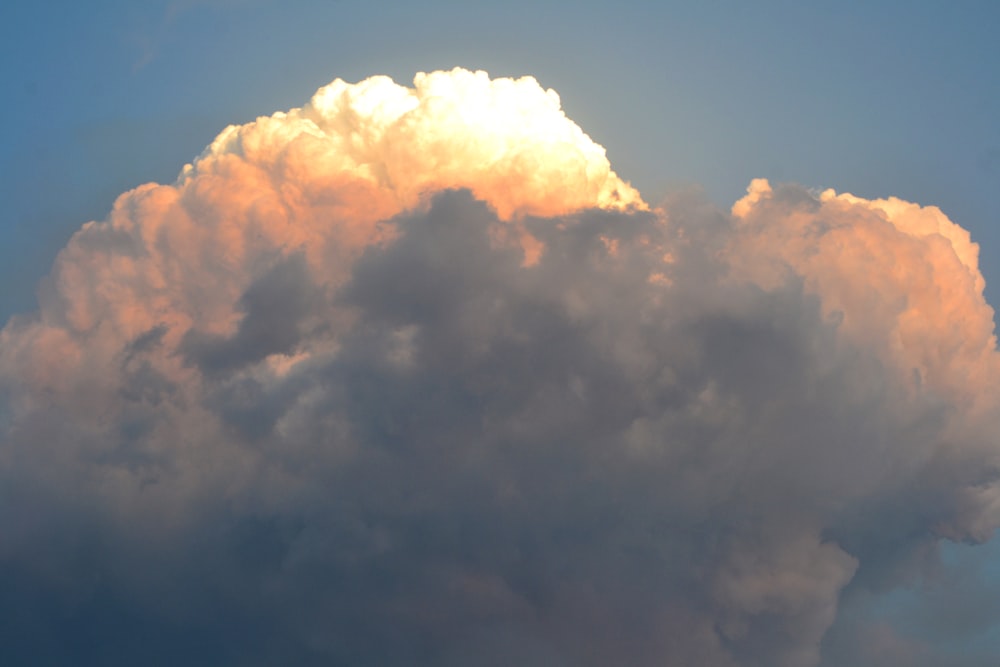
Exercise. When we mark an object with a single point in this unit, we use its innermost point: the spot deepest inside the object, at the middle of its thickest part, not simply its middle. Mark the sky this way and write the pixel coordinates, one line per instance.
(466, 389)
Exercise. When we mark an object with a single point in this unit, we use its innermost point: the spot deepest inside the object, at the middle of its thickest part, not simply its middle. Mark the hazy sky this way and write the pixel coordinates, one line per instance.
(691, 101)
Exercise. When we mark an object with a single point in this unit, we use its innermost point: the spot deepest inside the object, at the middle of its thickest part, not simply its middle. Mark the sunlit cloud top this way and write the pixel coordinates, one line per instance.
(505, 139)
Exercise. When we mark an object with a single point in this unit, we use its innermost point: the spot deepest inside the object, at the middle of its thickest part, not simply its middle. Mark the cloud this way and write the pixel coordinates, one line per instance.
(410, 376)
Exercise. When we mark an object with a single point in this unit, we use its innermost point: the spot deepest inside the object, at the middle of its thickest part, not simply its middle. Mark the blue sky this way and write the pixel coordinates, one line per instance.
(878, 99)
(883, 98)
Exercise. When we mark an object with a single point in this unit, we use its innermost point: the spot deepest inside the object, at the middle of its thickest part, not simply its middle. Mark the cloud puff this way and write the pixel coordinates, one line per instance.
(410, 376)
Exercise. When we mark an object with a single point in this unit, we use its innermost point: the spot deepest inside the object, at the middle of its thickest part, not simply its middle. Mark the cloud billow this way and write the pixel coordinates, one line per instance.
(336, 399)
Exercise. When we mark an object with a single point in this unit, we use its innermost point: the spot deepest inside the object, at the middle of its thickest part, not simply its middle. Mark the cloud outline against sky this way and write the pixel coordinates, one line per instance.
(410, 376)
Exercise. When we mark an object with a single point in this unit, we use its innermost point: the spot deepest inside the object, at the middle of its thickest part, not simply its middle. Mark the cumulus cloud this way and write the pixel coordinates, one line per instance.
(410, 376)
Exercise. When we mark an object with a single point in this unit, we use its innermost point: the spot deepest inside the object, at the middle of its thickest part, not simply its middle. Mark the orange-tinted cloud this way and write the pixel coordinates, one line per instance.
(898, 277)
(411, 371)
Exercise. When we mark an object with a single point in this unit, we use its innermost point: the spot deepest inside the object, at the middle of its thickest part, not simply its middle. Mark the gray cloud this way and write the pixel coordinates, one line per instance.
(566, 463)
(274, 413)
(275, 307)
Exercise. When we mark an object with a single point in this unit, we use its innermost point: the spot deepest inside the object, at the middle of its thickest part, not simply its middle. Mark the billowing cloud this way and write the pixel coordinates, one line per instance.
(410, 376)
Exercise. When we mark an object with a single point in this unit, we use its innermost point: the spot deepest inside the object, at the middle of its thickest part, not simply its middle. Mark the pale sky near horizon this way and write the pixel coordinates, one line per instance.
(883, 98)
